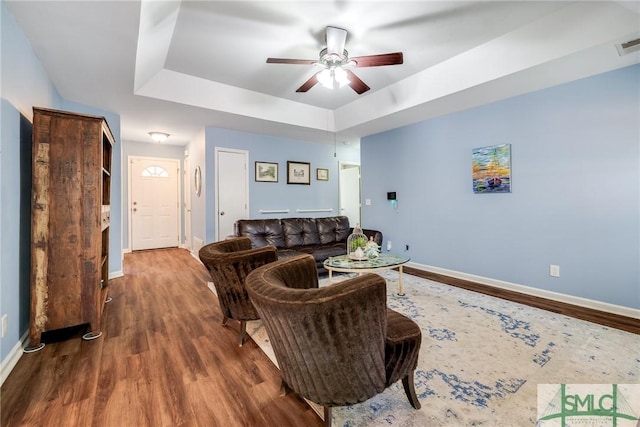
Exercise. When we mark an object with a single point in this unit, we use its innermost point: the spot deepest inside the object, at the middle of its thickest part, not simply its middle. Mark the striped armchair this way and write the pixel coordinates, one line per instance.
(336, 345)
(229, 262)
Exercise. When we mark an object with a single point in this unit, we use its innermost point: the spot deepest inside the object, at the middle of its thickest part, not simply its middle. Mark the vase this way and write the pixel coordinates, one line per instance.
(357, 244)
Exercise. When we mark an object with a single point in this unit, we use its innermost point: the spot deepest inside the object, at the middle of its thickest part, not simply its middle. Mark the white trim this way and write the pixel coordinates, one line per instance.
(12, 359)
(115, 274)
(527, 290)
(341, 166)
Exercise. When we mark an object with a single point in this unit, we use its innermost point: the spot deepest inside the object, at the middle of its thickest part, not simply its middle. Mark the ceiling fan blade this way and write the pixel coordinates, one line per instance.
(356, 84)
(336, 38)
(308, 84)
(290, 61)
(378, 60)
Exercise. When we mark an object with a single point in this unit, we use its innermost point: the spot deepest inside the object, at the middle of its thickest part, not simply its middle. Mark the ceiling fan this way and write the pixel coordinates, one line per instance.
(336, 64)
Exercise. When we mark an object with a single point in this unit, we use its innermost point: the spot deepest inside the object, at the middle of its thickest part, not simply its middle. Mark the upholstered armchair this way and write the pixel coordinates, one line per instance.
(229, 262)
(336, 345)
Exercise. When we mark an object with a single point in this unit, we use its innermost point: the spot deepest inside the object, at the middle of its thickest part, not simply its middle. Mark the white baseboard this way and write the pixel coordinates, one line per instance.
(527, 290)
(12, 358)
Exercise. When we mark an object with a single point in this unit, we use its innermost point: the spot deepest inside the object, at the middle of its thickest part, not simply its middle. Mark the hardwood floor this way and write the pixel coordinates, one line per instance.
(164, 359)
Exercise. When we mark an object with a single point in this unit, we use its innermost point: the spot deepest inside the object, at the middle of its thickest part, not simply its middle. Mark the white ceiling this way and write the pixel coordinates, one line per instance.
(181, 66)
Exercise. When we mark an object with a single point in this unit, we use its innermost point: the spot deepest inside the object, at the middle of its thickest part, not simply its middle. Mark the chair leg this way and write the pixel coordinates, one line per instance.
(243, 331)
(284, 389)
(410, 390)
(327, 416)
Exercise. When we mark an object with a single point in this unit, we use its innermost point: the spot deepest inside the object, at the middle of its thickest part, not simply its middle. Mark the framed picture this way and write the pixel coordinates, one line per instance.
(322, 174)
(491, 169)
(266, 172)
(298, 173)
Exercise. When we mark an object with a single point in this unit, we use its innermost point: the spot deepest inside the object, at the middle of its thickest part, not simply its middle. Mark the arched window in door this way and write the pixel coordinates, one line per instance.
(155, 171)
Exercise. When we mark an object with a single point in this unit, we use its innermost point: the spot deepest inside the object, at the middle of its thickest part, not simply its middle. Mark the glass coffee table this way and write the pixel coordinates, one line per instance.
(344, 264)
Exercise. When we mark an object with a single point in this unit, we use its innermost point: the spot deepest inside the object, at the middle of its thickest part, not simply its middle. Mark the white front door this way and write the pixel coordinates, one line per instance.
(154, 203)
(350, 192)
(232, 197)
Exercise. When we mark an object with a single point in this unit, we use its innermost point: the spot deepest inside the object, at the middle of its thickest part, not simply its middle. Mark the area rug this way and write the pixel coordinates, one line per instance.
(482, 358)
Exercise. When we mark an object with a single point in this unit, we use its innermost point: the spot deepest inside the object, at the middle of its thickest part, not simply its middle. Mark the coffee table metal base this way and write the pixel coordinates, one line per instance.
(342, 264)
(361, 272)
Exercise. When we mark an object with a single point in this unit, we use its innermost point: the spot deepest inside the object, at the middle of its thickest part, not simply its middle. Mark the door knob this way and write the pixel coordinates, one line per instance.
(221, 213)
(135, 203)
(134, 209)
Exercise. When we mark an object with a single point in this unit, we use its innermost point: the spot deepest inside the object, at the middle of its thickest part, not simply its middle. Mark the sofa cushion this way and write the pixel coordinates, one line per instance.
(300, 232)
(262, 232)
(333, 229)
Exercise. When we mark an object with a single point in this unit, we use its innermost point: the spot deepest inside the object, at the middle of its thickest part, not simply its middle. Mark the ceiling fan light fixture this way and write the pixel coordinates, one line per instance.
(341, 77)
(159, 136)
(333, 77)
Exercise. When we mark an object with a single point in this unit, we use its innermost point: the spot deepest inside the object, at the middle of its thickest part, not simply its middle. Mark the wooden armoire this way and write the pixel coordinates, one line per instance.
(70, 214)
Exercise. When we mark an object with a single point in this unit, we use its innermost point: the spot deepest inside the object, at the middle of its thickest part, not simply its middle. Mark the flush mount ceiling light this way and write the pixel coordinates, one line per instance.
(159, 136)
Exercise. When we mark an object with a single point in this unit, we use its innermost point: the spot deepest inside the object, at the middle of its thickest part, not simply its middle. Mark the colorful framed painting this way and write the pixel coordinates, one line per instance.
(298, 173)
(266, 172)
(322, 174)
(491, 169)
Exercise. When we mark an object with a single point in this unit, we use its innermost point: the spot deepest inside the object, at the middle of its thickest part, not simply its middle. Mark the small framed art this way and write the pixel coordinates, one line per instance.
(322, 174)
(266, 172)
(491, 169)
(298, 172)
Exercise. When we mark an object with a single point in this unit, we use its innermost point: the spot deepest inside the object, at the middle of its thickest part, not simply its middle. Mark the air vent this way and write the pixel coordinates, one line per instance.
(628, 47)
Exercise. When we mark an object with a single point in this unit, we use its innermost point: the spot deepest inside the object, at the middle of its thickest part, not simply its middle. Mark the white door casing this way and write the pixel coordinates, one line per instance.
(153, 203)
(187, 203)
(232, 190)
(349, 175)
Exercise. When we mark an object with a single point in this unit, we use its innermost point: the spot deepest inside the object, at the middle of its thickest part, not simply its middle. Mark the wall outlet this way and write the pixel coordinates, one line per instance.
(554, 270)
(5, 325)
(388, 245)
(367, 202)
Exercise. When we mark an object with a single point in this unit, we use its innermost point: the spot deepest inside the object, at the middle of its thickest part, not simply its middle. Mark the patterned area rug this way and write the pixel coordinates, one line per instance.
(482, 358)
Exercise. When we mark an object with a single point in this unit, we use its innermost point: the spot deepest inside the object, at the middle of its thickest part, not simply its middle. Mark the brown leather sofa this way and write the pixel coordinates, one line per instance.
(320, 237)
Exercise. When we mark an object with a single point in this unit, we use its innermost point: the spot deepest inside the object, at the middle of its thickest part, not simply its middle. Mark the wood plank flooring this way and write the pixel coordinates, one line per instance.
(164, 359)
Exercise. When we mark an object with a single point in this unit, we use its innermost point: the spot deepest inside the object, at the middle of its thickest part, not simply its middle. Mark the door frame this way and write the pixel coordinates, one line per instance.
(340, 190)
(186, 202)
(130, 159)
(216, 151)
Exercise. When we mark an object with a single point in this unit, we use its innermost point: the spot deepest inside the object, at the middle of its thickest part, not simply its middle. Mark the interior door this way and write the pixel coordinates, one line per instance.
(154, 203)
(350, 192)
(232, 201)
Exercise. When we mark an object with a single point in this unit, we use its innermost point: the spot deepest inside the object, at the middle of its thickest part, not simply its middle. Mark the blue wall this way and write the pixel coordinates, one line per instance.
(279, 195)
(575, 189)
